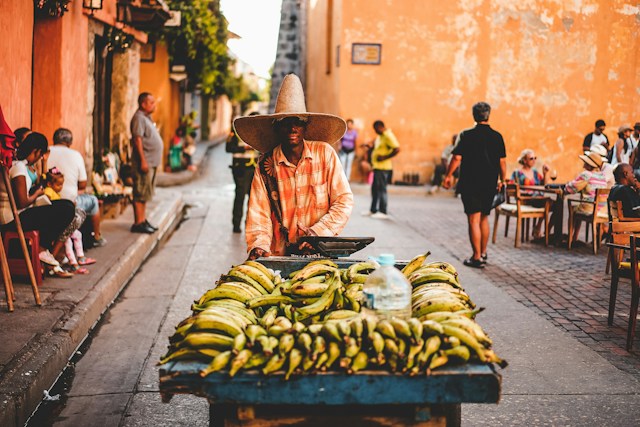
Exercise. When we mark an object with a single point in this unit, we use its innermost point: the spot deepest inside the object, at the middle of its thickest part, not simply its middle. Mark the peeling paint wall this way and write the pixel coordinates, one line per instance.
(125, 88)
(548, 68)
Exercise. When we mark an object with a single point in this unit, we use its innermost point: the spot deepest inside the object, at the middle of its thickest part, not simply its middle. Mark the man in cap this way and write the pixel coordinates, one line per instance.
(299, 188)
(596, 137)
(481, 155)
(626, 190)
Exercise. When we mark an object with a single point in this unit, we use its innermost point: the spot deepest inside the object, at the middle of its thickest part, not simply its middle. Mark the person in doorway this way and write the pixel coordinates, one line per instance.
(348, 148)
(596, 137)
(626, 190)
(71, 164)
(50, 219)
(385, 147)
(481, 155)
(147, 156)
(299, 188)
(243, 165)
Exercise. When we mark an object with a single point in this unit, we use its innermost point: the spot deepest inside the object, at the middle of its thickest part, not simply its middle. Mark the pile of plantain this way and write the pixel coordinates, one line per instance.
(311, 322)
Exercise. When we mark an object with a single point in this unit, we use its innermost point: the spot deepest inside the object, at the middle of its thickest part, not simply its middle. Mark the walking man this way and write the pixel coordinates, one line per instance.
(147, 156)
(299, 188)
(481, 155)
(385, 147)
(243, 165)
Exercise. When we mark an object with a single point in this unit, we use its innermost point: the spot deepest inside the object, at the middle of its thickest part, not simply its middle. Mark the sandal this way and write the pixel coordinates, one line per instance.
(86, 261)
(75, 269)
(59, 272)
(47, 258)
(474, 263)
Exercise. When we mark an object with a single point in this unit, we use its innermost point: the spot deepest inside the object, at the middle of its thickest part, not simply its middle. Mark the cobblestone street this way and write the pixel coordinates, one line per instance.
(569, 288)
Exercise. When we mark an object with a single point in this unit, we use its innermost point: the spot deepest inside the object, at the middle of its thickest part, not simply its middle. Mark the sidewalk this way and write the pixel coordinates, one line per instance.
(37, 342)
(171, 179)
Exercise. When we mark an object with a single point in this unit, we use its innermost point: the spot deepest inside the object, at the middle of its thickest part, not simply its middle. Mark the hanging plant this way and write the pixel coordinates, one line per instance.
(117, 40)
(54, 8)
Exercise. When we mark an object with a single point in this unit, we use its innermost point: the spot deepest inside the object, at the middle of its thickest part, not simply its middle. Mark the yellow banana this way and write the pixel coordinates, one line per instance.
(242, 316)
(253, 332)
(341, 315)
(416, 328)
(452, 341)
(185, 354)
(439, 304)
(460, 352)
(268, 300)
(360, 362)
(286, 343)
(439, 360)
(239, 361)
(467, 339)
(334, 353)
(207, 340)
(436, 276)
(386, 329)
(239, 343)
(338, 299)
(357, 328)
(314, 328)
(439, 316)
(295, 359)
(330, 331)
(239, 276)
(306, 290)
(344, 329)
(266, 271)
(226, 292)
(370, 324)
(308, 362)
(322, 262)
(319, 346)
(430, 327)
(351, 348)
(442, 266)
(277, 331)
(360, 267)
(414, 350)
(283, 322)
(323, 303)
(321, 360)
(391, 347)
(217, 364)
(218, 324)
(414, 264)
(377, 343)
(290, 312)
(358, 278)
(275, 363)
(470, 326)
(314, 270)
(269, 317)
(255, 361)
(401, 327)
(256, 274)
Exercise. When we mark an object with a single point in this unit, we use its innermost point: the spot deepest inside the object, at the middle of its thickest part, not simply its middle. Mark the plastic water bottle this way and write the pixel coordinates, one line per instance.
(387, 293)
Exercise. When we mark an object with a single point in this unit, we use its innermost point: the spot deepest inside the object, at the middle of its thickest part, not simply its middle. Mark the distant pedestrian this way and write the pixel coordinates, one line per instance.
(481, 155)
(622, 148)
(385, 147)
(441, 168)
(147, 156)
(243, 165)
(596, 137)
(348, 148)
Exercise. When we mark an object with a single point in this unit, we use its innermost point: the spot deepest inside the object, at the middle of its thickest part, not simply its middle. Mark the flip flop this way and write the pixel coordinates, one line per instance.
(86, 261)
(59, 272)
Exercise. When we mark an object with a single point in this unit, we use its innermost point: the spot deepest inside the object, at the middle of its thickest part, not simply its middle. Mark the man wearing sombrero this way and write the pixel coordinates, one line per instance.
(299, 188)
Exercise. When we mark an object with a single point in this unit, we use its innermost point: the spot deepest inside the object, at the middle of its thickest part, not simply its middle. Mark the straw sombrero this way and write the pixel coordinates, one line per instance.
(258, 132)
(591, 158)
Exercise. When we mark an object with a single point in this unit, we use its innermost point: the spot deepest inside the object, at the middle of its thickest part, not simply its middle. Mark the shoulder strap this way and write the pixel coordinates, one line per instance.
(271, 185)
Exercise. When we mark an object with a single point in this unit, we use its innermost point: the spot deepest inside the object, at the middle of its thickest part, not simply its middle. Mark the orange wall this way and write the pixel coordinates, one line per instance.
(154, 78)
(60, 81)
(15, 61)
(549, 69)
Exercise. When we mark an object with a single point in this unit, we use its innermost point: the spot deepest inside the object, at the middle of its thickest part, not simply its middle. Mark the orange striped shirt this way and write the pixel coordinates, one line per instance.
(314, 194)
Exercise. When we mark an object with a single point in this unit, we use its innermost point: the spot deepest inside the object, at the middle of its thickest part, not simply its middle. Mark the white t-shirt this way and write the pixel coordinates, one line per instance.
(607, 170)
(598, 139)
(18, 168)
(71, 164)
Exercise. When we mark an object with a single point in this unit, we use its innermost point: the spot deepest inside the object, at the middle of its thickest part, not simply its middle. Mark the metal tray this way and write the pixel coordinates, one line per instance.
(333, 247)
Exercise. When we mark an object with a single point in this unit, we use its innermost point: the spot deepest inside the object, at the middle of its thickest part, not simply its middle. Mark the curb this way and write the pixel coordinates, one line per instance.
(21, 388)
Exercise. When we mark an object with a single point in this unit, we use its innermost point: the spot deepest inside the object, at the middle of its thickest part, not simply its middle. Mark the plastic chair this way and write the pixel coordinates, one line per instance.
(15, 259)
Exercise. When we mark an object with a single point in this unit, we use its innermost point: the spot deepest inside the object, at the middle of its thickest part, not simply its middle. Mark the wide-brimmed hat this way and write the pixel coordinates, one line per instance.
(592, 159)
(258, 131)
(624, 128)
(600, 150)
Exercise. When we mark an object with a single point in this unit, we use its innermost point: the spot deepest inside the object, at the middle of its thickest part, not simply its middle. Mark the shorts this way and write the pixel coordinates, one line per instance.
(143, 185)
(88, 203)
(477, 202)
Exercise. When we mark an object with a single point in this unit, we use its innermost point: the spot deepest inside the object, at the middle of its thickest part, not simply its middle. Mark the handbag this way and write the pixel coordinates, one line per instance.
(499, 198)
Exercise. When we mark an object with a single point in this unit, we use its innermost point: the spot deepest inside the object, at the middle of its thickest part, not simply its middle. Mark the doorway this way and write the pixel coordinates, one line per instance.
(102, 105)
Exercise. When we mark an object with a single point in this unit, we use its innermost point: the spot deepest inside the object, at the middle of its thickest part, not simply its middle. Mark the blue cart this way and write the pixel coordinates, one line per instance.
(334, 399)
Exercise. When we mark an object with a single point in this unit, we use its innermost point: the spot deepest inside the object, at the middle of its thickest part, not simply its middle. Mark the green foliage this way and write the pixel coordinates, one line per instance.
(200, 44)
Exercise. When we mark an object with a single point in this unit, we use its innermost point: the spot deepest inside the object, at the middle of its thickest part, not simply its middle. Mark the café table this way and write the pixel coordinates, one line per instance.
(557, 208)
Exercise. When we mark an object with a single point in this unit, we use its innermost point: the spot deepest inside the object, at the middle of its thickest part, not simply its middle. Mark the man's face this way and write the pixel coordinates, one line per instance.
(149, 104)
(290, 131)
(378, 129)
(599, 130)
(349, 124)
(628, 174)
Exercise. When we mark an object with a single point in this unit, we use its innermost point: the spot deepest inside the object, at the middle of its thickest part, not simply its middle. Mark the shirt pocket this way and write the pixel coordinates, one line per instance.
(321, 197)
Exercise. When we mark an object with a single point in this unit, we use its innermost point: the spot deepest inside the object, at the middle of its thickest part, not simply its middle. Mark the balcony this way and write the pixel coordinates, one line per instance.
(145, 15)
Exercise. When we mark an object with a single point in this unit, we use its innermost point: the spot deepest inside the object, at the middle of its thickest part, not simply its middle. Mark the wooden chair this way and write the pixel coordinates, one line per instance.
(516, 206)
(623, 234)
(599, 216)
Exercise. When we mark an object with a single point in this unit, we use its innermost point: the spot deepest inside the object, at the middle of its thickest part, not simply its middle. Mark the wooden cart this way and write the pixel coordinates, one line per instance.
(369, 398)
(333, 399)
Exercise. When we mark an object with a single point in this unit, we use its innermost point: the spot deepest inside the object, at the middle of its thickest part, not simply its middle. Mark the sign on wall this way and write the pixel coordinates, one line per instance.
(366, 53)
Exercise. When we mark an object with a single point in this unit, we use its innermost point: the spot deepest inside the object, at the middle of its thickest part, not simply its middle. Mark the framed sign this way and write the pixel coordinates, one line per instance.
(148, 52)
(366, 53)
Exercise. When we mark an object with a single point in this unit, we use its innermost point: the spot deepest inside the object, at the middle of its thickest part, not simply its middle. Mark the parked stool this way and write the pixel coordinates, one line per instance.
(17, 264)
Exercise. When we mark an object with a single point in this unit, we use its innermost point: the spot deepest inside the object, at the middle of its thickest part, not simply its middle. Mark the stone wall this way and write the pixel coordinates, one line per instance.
(289, 56)
(125, 85)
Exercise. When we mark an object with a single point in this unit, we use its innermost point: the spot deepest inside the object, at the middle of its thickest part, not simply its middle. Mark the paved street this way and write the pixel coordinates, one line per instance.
(546, 311)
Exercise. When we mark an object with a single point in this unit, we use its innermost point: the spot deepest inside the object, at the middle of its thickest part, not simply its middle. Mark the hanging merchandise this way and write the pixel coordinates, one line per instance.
(54, 8)
(117, 40)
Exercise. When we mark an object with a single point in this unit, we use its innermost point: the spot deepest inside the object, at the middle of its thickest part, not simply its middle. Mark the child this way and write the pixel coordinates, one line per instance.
(53, 185)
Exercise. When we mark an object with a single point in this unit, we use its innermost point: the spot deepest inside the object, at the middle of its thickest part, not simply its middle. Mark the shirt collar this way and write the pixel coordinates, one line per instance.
(281, 158)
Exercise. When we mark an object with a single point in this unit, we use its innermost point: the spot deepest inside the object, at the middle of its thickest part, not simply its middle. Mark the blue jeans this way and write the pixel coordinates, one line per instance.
(87, 203)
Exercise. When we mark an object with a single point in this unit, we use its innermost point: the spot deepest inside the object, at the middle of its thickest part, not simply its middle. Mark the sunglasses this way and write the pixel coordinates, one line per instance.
(532, 158)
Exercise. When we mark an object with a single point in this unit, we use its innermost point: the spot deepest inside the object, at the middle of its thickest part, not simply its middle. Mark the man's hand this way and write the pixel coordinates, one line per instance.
(307, 232)
(545, 169)
(500, 185)
(446, 183)
(144, 166)
(258, 253)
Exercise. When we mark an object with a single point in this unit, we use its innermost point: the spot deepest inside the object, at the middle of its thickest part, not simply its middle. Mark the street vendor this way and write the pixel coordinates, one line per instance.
(299, 188)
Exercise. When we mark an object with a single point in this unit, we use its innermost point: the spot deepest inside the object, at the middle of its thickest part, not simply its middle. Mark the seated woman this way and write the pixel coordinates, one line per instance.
(528, 175)
(50, 220)
(586, 184)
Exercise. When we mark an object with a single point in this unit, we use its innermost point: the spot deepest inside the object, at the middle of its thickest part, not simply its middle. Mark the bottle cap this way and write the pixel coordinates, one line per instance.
(386, 259)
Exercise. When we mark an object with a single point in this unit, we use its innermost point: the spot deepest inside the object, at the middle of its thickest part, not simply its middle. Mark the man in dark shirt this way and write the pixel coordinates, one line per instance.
(597, 137)
(626, 190)
(481, 155)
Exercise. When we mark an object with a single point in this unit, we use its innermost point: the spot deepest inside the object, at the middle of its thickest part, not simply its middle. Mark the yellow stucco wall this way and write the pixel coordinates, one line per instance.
(548, 68)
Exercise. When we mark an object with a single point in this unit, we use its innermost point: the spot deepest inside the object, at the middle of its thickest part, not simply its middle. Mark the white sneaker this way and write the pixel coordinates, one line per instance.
(367, 213)
(47, 258)
(380, 215)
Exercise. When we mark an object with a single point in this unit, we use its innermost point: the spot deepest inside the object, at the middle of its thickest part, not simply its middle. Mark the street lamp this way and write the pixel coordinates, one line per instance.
(92, 5)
